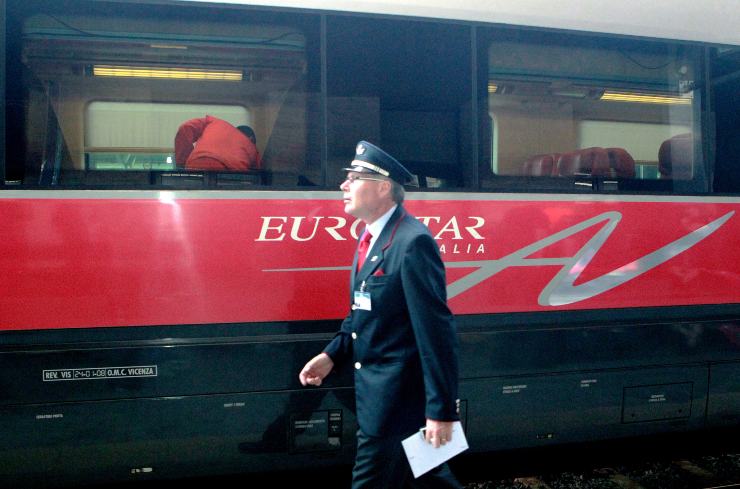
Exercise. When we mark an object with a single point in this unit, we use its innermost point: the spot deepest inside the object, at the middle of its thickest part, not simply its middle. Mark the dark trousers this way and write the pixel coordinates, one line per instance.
(381, 464)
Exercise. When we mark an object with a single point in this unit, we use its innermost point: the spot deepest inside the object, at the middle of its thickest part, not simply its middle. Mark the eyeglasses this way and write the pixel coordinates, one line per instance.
(354, 178)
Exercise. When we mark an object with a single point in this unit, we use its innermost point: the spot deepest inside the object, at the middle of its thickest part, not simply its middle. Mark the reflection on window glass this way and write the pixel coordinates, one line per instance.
(616, 110)
(108, 91)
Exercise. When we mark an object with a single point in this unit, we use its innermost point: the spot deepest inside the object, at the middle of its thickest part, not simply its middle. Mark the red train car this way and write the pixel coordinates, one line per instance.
(580, 178)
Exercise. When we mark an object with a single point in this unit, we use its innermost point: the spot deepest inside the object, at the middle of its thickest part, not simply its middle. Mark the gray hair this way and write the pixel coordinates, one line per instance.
(397, 192)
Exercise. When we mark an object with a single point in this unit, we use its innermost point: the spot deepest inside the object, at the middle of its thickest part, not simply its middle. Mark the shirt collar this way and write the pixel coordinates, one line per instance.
(377, 226)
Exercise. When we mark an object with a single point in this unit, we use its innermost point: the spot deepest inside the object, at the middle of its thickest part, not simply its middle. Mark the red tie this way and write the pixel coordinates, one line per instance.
(362, 248)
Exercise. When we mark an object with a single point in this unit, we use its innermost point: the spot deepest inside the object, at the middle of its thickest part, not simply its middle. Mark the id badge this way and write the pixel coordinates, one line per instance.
(362, 300)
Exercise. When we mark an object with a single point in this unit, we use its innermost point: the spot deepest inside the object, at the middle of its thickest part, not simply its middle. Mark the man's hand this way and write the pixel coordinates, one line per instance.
(438, 432)
(316, 369)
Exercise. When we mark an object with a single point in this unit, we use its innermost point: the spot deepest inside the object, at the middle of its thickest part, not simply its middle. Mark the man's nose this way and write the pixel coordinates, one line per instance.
(344, 186)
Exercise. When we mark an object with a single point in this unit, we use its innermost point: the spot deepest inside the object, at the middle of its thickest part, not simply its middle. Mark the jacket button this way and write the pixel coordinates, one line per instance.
(354, 335)
(358, 365)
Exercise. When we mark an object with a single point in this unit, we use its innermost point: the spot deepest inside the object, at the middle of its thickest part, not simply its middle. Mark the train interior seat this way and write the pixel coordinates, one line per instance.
(621, 163)
(587, 161)
(676, 157)
(539, 165)
(594, 161)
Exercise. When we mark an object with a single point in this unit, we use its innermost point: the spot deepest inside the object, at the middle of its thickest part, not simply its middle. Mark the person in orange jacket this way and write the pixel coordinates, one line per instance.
(209, 143)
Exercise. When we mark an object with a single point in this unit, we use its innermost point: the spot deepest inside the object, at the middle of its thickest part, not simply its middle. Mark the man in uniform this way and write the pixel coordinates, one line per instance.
(399, 334)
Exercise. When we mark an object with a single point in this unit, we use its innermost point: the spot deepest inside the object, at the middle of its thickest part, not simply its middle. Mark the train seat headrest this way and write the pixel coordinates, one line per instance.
(676, 157)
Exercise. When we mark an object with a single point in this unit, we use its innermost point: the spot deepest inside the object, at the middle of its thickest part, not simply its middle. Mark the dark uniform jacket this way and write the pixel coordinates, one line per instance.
(404, 349)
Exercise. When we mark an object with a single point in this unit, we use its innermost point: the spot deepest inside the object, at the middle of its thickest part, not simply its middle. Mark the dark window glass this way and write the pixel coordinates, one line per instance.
(725, 69)
(406, 87)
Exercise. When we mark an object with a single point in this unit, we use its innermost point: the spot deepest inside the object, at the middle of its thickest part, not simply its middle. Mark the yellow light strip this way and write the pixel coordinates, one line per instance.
(645, 98)
(167, 73)
(168, 46)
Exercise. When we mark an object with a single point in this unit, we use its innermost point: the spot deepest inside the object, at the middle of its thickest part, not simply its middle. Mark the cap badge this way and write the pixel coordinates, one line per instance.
(360, 149)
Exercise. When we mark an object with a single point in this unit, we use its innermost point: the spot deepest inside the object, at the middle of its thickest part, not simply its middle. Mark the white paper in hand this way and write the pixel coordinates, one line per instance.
(422, 455)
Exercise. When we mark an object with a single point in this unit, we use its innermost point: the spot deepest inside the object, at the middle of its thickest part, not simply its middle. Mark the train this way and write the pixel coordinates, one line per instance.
(577, 167)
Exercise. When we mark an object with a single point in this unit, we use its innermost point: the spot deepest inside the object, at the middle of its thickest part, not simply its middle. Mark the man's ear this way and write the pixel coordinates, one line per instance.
(388, 186)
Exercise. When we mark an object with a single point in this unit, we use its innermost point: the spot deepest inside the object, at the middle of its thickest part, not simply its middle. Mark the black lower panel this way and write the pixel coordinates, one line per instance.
(62, 444)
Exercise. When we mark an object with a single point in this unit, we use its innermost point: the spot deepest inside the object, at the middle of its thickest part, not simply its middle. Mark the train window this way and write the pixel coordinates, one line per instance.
(104, 87)
(600, 114)
(403, 85)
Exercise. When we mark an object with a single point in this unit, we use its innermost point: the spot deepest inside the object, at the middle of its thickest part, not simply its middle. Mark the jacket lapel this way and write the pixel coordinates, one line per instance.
(375, 258)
